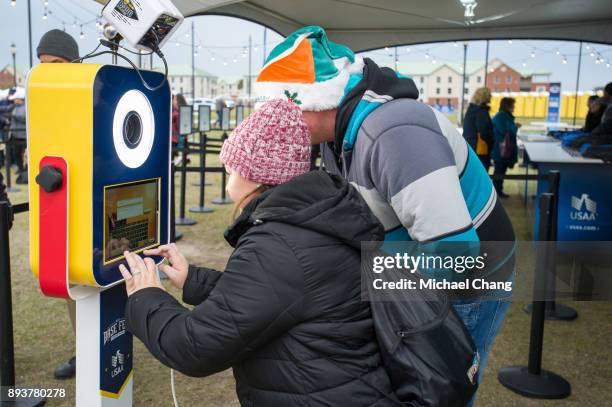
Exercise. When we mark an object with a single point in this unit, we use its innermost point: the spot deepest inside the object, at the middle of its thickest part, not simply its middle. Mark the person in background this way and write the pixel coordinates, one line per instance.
(286, 314)
(56, 47)
(605, 127)
(177, 101)
(477, 126)
(597, 106)
(219, 105)
(505, 152)
(17, 129)
(6, 106)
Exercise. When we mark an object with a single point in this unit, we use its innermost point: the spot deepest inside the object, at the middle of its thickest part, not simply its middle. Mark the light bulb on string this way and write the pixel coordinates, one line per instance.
(588, 47)
(46, 3)
(524, 64)
(455, 44)
(13, 3)
(186, 35)
(558, 52)
(427, 55)
(433, 60)
(532, 54)
(564, 59)
(407, 49)
(607, 64)
(82, 35)
(45, 15)
(234, 60)
(509, 42)
(386, 49)
(212, 59)
(592, 54)
(224, 63)
(199, 46)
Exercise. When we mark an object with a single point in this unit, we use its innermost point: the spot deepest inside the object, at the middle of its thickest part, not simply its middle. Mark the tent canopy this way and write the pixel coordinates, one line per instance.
(370, 24)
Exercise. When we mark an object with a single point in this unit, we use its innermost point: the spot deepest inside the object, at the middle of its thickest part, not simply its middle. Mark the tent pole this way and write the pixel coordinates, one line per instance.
(465, 46)
(192, 63)
(264, 45)
(577, 82)
(486, 63)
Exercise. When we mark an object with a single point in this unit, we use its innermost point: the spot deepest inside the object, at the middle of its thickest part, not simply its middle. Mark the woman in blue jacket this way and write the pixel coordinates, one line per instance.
(504, 152)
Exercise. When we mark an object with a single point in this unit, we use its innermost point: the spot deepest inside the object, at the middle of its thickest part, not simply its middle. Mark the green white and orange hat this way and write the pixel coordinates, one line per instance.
(308, 69)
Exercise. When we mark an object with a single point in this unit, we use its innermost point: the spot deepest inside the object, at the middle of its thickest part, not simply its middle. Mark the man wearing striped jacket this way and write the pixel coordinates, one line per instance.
(410, 164)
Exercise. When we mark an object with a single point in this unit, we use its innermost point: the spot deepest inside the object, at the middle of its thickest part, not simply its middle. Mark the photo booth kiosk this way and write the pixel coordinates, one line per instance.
(99, 159)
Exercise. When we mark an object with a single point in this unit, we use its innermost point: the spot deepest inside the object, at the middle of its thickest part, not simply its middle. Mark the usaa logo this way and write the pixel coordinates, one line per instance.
(584, 208)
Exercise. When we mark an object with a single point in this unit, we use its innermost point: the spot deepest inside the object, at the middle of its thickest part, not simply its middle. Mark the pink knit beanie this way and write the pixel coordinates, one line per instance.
(271, 146)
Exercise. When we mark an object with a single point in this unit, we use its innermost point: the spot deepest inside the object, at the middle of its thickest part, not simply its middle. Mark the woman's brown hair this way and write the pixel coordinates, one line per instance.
(253, 194)
(506, 104)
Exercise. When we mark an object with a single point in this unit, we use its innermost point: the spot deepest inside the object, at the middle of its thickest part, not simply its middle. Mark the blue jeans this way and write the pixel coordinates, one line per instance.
(483, 319)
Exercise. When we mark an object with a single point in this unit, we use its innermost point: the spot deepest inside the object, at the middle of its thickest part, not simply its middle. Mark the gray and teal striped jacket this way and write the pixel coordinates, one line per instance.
(419, 176)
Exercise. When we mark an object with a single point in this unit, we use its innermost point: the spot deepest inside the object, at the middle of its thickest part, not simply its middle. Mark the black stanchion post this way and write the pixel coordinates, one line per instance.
(7, 350)
(202, 208)
(531, 380)
(174, 235)
(554, 311)
(223, 199)
(182, 220)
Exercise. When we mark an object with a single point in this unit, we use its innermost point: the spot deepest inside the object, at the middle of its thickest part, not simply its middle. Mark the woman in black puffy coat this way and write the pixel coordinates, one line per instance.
(286, 314)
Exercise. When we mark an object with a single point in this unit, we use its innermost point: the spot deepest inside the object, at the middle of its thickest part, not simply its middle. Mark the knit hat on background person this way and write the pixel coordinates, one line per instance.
(58, 43)
(271, 146)
(308, 69)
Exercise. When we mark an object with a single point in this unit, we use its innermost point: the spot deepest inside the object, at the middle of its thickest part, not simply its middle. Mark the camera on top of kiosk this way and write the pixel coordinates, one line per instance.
(101, 158)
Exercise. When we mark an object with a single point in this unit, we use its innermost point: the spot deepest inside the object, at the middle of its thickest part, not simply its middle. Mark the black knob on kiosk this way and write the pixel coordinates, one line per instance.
(50, 178)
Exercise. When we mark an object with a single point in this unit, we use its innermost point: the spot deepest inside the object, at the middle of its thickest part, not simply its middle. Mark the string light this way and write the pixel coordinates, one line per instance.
(427, 55)
(224, 63)
(592, 54)
(178, 44)
(212, 59)
(386, 49)
(558, 52)
(455, 44)
(510, 42)
(45, 15)
(13, 3)
(588, 47)
(532, 53)
(564, 59)
(524, 63)
(46, 3)
(82, 35)
(407, 50)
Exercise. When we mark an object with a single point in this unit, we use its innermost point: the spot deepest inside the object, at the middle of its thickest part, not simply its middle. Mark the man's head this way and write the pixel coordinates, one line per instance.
(57, 46)
(608, 92)
(313, 72)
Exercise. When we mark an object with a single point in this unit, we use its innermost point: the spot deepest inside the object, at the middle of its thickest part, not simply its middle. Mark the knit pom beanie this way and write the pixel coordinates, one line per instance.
(271, 146)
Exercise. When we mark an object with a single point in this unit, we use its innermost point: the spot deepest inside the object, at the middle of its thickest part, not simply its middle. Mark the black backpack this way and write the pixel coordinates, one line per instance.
(427, 351)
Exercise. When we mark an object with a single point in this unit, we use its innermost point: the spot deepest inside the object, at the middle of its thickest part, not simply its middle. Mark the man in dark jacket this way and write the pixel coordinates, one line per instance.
(57, 46)
(417, 174)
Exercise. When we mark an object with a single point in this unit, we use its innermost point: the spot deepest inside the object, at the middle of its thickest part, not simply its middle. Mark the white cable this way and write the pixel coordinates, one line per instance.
(173, 389)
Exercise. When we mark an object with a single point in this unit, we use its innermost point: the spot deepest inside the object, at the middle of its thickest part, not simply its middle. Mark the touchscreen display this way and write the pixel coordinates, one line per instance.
(130, 218)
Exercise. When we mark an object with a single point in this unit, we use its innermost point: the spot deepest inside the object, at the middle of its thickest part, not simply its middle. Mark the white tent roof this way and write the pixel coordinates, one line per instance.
(370, 24)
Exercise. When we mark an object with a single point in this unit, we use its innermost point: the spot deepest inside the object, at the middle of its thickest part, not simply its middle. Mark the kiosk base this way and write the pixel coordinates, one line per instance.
(546, 385)
(103, 350)
(555, 312)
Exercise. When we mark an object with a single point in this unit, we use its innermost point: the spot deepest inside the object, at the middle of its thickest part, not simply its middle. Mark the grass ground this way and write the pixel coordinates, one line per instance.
(578, 350)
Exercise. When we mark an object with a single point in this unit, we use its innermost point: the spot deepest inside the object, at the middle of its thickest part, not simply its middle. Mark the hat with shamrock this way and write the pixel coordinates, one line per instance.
(309, 69)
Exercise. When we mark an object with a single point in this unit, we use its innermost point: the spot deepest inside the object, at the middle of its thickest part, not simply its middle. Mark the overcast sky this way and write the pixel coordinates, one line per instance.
(223, 41)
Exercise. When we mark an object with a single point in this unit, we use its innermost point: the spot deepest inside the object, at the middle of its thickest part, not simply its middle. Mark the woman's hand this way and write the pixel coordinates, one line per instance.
(177, 269)
(142, 273)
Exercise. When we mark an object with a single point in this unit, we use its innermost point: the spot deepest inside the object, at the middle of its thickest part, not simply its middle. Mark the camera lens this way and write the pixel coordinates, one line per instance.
(132, 129)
